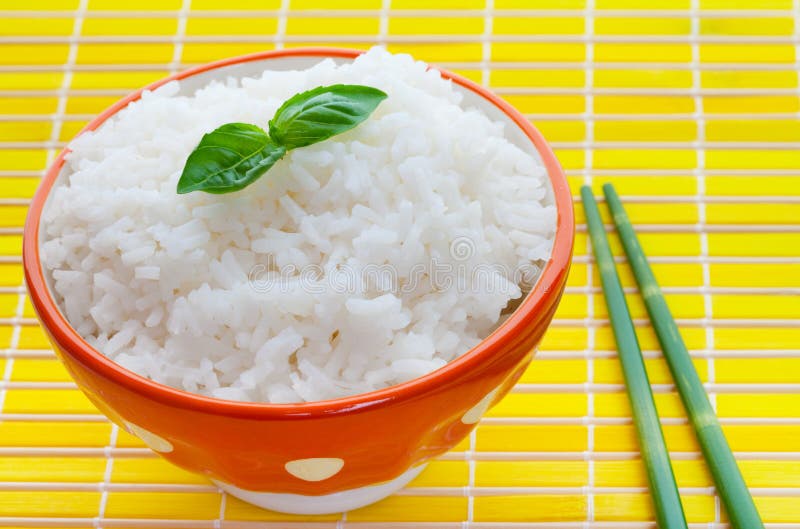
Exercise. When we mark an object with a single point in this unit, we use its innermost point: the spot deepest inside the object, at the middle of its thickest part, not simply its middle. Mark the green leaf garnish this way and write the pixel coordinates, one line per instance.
(236, 154)
(318, 114)
(228, 159)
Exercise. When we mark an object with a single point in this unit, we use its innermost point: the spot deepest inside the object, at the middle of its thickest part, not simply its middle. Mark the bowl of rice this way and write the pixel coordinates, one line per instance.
(311, 341)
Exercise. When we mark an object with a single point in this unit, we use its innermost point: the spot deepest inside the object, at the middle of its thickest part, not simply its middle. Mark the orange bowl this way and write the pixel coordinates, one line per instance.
(322, 456)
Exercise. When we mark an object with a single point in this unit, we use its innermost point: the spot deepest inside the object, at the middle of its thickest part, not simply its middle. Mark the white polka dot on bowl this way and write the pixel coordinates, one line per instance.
(155, 442)
(315, 468)
(475, 413)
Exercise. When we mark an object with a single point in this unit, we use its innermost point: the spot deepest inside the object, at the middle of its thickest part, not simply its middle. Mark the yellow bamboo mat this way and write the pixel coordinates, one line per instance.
(690, 107)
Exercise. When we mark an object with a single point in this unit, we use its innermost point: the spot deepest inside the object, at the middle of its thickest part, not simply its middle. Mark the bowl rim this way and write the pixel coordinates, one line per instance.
(537, 301)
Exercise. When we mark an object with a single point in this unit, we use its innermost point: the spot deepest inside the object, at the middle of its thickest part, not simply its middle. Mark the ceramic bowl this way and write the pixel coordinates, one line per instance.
(326, 456)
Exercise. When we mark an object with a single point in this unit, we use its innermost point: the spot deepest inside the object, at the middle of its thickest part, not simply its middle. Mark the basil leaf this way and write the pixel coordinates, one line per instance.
(228, 159)
(236, 154)
(318, 114)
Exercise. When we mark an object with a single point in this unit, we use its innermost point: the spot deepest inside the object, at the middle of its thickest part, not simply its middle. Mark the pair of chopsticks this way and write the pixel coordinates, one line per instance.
(666, 499)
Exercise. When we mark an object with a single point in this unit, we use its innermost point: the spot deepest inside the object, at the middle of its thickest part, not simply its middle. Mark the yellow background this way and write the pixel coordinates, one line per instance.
(690, 107)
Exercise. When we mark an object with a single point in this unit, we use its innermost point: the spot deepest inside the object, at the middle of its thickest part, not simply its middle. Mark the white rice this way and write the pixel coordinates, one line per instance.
(194, 291)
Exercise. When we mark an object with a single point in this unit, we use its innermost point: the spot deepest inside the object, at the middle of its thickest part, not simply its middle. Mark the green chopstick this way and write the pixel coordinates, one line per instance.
(732, 489)
(664, 490)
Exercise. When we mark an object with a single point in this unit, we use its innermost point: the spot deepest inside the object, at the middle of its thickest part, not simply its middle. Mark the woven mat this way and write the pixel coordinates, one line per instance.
(690, 107)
